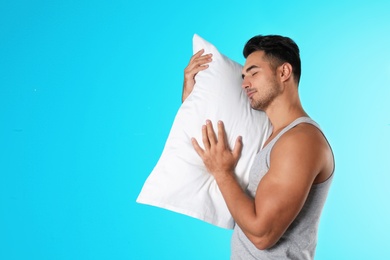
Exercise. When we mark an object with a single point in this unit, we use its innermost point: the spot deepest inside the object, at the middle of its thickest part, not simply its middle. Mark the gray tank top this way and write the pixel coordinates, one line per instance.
(300, 239)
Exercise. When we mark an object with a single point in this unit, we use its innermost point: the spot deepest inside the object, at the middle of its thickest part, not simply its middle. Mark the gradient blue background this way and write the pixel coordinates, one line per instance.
(89, 90)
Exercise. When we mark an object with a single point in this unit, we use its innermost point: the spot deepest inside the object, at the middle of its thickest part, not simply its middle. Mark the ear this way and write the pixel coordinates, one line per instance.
(285, 71)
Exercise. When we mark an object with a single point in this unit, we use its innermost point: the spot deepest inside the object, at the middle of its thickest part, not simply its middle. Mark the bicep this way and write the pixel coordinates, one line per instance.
(282, 192)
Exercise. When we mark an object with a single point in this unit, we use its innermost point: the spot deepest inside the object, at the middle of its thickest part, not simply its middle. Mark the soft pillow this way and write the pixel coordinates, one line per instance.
(180, 181)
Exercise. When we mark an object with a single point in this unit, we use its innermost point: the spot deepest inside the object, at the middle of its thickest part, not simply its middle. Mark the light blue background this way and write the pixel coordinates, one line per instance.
(89, 90)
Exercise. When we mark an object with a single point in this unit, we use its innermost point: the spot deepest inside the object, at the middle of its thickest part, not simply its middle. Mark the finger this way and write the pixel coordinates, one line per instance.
(237, 148)
(222, 137)
(197, 147)
(203, 59)
(205, 138)
(210, 133)
(195, 66)
(193, 71)
(197, 54)
(199, 61)
(200, 55)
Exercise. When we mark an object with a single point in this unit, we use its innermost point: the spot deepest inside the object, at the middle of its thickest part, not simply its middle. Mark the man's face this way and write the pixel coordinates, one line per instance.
(260, 81)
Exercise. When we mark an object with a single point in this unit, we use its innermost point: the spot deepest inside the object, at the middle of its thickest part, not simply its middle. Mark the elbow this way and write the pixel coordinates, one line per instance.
(264, 235)
(263, 244)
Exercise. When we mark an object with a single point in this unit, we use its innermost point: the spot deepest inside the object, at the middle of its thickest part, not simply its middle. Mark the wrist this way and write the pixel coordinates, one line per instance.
(222, 177)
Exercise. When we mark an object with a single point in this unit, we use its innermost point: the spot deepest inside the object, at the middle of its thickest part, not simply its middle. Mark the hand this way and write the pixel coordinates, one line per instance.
(197, 63)
(216, 155)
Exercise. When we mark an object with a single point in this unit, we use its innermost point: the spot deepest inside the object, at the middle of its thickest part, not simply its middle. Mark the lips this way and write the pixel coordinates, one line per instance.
(250, 93)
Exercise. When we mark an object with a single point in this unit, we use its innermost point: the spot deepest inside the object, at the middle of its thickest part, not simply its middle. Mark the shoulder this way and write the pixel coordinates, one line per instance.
(303, 148)
(301, 138)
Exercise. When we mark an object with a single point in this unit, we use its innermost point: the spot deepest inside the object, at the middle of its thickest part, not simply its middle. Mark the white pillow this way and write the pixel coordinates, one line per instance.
(180, 181)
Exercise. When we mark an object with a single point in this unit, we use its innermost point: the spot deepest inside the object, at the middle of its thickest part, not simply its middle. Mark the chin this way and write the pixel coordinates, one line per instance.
(257, 108)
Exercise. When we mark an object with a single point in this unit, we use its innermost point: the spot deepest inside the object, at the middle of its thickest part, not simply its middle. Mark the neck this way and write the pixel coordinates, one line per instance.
(284, 110)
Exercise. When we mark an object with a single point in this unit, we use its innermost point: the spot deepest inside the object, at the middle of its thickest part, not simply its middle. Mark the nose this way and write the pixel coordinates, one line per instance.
(245, 83)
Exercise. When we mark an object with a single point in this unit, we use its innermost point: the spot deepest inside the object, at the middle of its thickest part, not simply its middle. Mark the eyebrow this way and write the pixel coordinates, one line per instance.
(249, 69)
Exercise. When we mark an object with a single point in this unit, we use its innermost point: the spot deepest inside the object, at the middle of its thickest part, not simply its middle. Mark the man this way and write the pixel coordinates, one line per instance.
(277, 216)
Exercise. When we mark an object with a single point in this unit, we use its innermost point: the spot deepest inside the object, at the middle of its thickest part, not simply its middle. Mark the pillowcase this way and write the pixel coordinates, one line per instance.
(180, 182)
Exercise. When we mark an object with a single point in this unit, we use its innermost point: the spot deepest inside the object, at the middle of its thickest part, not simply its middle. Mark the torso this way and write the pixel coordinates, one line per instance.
(299, 240)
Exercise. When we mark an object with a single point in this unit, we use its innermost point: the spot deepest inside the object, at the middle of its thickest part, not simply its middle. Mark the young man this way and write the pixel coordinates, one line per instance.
(277, 216)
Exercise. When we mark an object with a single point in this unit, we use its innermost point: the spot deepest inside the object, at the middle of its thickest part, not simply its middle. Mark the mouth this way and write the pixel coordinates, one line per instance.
(250, 93)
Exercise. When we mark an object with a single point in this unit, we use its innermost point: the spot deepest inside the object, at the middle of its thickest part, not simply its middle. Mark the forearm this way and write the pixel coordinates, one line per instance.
(186, 92)
(240, 205)
(242, 208)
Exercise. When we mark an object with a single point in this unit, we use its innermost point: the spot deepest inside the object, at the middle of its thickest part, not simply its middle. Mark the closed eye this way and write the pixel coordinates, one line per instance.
(243, 76)
(249, 69)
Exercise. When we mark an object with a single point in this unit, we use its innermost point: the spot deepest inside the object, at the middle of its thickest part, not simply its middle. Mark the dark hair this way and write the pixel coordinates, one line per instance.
(278, 49)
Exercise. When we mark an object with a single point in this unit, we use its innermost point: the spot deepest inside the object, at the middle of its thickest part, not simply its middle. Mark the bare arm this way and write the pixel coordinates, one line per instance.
(197, 63)
(296, 161)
